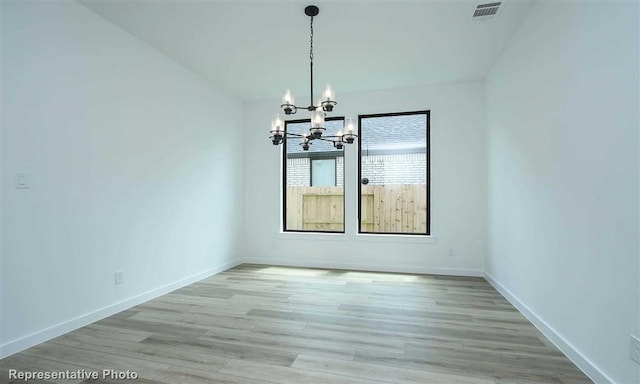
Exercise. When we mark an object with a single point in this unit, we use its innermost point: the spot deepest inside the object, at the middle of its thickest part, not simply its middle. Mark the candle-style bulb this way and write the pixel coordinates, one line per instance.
(328, 94)
(328, 99)
(277, 124)
(349, 125)
(288, 98)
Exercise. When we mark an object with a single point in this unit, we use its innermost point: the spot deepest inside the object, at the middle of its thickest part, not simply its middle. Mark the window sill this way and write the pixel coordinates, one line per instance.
(390, 238)
(320, 236)
(363, 237)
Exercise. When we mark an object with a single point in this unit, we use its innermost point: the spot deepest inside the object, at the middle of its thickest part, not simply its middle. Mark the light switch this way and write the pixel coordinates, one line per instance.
(21, 181)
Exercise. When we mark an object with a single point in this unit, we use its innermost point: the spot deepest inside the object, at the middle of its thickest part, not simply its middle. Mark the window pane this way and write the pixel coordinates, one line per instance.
(323, 172)
(394, 184)
(314, 194)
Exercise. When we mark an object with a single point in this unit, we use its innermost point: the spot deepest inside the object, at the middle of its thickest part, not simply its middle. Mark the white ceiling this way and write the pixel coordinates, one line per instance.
(257, 49)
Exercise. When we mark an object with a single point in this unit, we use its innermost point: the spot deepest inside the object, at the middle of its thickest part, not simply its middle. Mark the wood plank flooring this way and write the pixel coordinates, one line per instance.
(260, 324)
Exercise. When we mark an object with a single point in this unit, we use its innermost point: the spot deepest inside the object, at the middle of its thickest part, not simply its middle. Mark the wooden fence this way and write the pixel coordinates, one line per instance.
(315, 208)
(385, 208)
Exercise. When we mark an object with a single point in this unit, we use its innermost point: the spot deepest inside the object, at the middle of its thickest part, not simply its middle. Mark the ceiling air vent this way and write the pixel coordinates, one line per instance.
(486, 11)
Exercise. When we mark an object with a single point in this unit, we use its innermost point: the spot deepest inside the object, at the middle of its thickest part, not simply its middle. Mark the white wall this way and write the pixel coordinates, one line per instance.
(458, 194)
(562, 112)
(134, 164)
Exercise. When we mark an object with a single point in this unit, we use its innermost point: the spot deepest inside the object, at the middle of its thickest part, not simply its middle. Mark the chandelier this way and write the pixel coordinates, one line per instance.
(327, 102)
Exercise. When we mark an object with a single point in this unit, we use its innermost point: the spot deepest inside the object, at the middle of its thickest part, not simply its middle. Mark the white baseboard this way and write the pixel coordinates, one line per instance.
(35, 338)
(367, 267)
(582, 362)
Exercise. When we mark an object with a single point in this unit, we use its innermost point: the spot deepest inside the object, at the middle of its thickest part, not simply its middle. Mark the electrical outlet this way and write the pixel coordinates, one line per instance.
(635, 349)
(119, 277)
(452, 252)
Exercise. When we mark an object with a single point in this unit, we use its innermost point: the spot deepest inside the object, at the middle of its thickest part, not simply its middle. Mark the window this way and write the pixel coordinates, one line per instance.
(394, 173)
(393, 177)
(313, 181)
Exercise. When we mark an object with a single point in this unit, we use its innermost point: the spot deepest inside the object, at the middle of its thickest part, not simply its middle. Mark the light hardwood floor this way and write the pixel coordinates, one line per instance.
(260, 324)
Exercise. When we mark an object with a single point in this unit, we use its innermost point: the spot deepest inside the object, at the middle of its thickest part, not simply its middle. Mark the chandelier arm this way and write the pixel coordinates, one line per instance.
(291, 134)
(334, 139)
(329, 138)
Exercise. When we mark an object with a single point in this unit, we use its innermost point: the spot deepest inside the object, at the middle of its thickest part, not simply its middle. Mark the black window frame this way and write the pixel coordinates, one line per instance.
(284, 178)
(427, 113)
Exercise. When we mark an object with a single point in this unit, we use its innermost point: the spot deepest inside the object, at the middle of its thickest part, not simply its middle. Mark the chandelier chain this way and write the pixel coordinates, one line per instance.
(311, 41)
(311, 65)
